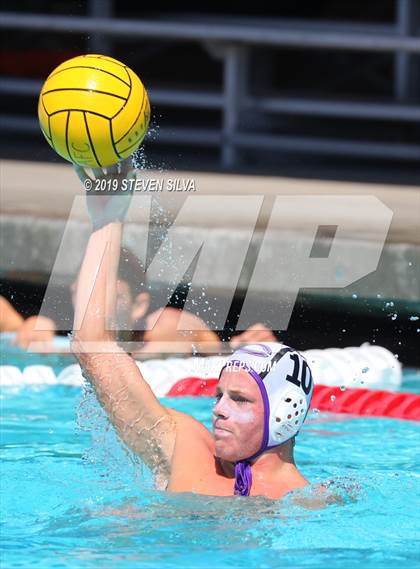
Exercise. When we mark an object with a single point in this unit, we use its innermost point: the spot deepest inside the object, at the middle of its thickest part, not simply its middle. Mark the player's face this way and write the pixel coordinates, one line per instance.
(238, 416)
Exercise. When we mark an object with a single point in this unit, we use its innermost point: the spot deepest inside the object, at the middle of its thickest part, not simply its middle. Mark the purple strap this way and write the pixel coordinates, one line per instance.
(243, 478)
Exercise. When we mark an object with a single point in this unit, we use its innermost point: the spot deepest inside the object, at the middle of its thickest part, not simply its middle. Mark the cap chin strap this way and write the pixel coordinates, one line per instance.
(243, 478)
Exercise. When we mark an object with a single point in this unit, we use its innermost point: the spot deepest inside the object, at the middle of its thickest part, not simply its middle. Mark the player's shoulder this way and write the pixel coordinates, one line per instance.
(187, 423)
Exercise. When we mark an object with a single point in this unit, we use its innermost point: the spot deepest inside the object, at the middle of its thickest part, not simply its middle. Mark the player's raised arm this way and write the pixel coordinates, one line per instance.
(141, 421)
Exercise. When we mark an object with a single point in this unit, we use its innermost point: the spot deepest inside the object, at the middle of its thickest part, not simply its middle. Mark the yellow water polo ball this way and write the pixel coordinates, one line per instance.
(93, 110)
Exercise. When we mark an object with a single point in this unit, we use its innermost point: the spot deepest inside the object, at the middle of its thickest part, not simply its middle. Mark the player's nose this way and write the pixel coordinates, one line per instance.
(221, 408)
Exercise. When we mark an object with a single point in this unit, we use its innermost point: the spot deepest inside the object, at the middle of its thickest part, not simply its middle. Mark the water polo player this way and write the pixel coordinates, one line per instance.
(263, 393)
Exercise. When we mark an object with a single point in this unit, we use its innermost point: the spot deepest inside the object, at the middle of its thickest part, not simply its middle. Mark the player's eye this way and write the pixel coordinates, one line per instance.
(240, 399)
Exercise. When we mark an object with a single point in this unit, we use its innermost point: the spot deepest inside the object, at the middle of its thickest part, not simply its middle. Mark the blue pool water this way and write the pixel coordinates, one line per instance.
(72, 496)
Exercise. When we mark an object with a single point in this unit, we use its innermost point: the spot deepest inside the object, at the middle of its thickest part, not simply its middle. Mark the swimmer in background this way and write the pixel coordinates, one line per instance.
(156, 330)
(263, 394)
(160, 334)
(12, 321)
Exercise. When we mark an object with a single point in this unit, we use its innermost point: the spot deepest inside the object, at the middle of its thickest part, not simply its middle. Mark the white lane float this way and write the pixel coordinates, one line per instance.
(367, 366)
(357, 380)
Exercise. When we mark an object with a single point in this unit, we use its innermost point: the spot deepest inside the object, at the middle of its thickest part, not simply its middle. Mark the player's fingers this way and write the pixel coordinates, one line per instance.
(98, 172)
(126, 166)
(81, 173)
(114, 169)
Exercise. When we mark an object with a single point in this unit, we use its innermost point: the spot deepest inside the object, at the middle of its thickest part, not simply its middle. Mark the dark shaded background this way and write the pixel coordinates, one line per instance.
(347, 75)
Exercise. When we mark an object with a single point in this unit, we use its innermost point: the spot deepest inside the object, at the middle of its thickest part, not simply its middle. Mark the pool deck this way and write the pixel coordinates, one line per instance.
(41, 202)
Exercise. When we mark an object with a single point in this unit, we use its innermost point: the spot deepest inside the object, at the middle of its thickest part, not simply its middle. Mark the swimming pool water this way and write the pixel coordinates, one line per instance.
(72, 496)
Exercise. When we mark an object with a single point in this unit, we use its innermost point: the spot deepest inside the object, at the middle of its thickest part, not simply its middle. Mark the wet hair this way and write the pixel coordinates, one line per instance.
(131, 270)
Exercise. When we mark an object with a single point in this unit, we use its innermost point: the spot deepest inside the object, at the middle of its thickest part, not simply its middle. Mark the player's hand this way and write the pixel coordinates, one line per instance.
(254, 334)
(108, 192)
(27, 333)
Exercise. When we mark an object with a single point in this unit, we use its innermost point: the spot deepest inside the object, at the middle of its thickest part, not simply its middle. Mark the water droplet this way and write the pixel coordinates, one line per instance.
(344, 330)
(389, 304)
(315, 411)
(343, 387)
(354, 295)
(332, 398)
(378, 296)
(365, 369)
(414, 318)
(410, 264)
(396, 355)
(394, 316)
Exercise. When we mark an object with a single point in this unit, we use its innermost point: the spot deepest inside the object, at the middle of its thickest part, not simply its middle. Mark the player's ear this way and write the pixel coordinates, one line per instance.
(140, 305)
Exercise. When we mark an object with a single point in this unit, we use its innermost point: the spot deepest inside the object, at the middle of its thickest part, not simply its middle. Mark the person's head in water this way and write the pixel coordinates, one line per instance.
(262, 398)
(133, 296)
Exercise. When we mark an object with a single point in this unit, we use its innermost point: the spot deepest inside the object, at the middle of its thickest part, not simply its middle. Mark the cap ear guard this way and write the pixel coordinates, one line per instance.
(287, 416)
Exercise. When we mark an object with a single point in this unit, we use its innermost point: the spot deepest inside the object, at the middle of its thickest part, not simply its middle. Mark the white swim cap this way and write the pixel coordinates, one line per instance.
(286, 385)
